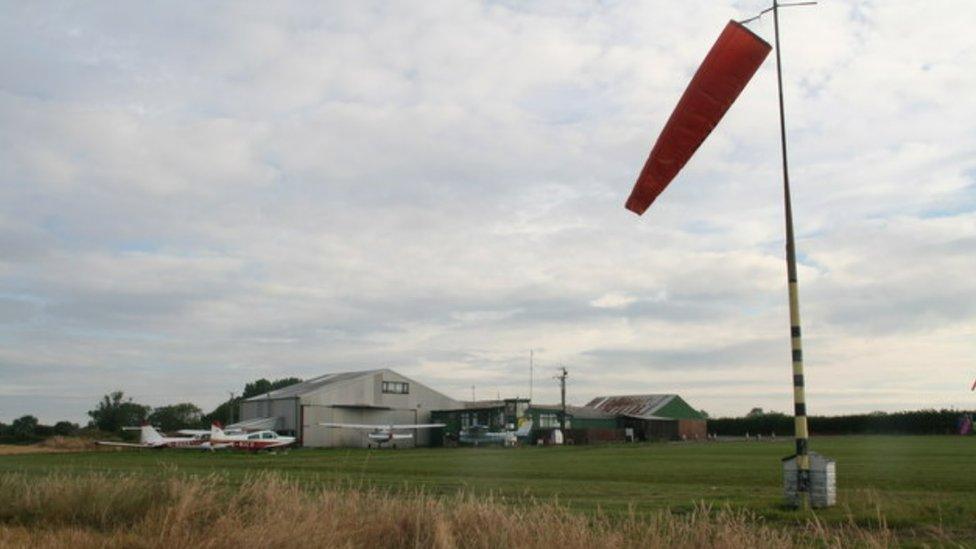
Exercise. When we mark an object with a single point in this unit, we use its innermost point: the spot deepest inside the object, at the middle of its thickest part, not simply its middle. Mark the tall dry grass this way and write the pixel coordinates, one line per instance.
(69, 444)
(269, 511)
(52, 445)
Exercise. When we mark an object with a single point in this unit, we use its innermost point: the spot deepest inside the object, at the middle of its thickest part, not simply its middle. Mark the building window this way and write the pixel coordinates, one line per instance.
(396, 387)
(465, 420)
(551, 421)
(548, 421)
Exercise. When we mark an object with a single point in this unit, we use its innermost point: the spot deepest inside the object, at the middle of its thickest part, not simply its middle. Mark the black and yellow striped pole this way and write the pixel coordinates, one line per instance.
(799, 397)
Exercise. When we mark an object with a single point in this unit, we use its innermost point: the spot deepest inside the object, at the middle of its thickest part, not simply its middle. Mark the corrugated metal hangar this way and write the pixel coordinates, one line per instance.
(368, 397)
(384, 397)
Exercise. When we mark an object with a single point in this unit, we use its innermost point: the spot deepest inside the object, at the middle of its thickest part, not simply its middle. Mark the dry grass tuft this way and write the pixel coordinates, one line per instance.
(18, 449)
(68, 444)
(270, 511)
(52, 445)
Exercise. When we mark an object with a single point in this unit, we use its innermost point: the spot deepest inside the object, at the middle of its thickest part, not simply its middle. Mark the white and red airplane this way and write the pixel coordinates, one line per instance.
(258, 440)
(382, 434)
(149, 437)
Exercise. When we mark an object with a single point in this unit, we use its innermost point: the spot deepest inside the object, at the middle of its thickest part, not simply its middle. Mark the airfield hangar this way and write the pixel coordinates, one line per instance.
(367, 397)
(654, 417)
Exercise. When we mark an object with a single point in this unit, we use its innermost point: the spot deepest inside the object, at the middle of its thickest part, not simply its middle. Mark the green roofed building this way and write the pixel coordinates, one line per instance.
(487, 415)
(546, 416)
(530, 422)
(604, 419)
(655, 417)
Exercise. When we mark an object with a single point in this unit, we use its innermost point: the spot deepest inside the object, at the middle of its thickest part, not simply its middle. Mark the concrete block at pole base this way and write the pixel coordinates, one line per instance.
(823, 481)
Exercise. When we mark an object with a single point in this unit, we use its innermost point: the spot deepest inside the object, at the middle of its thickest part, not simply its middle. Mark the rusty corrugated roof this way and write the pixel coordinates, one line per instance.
(643, 406)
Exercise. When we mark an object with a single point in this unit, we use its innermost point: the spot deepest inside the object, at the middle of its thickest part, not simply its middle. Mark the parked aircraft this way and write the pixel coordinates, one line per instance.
(258, 440)
(382, 434)
(149, 437)
(478, 435)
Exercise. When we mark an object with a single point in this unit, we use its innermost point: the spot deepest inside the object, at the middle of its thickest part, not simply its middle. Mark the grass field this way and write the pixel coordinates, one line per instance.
(920, 487)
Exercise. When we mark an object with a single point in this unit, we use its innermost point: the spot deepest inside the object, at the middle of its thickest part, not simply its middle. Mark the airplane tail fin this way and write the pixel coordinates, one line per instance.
(149, 434)
(216, 430)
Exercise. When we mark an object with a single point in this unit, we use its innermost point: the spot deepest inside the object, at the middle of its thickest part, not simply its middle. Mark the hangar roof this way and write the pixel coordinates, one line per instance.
(641, 406)
(313, 384)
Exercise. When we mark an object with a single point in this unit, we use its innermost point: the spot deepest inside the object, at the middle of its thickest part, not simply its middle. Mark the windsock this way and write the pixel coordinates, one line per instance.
(726, 70)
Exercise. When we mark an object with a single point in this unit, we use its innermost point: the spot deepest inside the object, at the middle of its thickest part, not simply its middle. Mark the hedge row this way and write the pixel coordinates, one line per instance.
(921, 422)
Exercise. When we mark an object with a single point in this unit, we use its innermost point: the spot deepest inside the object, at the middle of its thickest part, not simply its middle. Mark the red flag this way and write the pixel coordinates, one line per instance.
(723, 74)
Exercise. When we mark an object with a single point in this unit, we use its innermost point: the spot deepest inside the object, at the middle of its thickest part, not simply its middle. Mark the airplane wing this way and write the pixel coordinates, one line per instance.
(194, 432)
(123, 444)
(420, 426)
(354, 426)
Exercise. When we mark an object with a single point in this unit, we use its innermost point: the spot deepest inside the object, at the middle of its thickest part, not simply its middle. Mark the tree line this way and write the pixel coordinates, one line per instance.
(919, 422)
(115, 411)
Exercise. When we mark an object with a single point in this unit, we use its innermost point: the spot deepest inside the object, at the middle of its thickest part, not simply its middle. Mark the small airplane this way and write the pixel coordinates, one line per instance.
(258, 440)
(477, 435)
(149, 437)
(383, 434)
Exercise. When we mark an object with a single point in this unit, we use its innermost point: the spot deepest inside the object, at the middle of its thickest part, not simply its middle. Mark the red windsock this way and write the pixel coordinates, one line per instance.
(723, 74)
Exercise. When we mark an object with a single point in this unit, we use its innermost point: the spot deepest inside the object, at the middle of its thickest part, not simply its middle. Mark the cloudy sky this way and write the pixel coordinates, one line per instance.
(194, 196)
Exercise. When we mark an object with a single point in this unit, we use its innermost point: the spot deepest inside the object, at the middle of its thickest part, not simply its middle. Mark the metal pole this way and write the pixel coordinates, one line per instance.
(531, 373)
(562, 391)
(799, 397)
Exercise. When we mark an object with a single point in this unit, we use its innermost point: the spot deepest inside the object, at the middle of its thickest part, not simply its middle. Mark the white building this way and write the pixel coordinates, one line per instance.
(368, 397)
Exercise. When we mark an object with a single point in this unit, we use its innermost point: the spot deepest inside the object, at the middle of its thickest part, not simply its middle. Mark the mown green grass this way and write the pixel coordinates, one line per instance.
(911, 482)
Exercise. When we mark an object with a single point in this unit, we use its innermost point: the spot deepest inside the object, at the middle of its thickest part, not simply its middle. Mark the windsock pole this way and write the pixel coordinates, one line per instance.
(799, 397)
